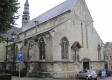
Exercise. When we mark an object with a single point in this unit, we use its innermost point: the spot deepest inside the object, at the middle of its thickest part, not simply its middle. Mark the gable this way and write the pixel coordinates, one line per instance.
(81, 9)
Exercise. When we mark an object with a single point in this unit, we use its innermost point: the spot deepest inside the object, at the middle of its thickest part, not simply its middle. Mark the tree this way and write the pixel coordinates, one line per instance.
(8, 14)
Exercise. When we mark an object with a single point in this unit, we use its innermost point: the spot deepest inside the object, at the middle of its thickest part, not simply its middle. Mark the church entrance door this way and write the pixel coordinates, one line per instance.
(85, 65)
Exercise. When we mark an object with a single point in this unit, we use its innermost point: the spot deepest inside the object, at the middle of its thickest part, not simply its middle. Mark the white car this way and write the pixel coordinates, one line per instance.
(87, 74)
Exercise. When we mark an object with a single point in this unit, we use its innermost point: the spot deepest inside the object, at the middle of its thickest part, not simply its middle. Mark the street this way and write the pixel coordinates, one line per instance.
(26, 78)
(107, 78)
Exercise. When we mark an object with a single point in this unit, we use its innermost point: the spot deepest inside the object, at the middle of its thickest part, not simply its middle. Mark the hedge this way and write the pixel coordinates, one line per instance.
(14, 72)
(5, 77)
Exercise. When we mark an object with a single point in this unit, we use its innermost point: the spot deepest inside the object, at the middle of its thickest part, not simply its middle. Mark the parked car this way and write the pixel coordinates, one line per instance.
(108, 73)
(87, 74)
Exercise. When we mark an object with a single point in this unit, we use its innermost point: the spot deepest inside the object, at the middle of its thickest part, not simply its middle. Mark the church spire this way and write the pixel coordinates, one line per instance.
(25, 17)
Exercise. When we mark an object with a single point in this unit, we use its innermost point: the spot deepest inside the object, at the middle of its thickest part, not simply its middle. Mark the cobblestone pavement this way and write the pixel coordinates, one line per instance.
(26, 78)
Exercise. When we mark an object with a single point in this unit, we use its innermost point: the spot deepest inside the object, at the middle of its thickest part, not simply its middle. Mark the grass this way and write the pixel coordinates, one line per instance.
(14, 76)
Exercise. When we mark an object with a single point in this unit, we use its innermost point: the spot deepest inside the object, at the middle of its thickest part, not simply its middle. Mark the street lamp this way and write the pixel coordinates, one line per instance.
(13, 37)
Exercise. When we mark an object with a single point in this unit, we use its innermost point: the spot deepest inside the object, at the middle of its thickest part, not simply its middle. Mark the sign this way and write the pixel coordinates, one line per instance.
(20, 57)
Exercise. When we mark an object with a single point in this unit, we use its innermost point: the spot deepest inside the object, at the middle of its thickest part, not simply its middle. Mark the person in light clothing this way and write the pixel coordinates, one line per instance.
(103, 74)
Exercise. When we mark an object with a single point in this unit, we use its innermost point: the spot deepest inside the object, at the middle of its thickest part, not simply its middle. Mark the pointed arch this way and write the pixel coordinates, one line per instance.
(86, 60)
(42, 38)
(30, 46)
(41, 48)
(64, 48)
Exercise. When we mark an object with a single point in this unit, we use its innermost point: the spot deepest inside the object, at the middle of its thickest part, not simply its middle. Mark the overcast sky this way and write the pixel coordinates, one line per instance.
(101, 11)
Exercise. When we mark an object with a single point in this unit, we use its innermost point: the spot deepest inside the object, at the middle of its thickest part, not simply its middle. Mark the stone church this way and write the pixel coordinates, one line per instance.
(60, 42)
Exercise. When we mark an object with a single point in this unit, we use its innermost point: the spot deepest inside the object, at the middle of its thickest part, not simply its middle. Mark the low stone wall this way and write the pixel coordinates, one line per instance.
(2, 65)
(58, 69)
(33, 74)
(65, 74)
(68, 74)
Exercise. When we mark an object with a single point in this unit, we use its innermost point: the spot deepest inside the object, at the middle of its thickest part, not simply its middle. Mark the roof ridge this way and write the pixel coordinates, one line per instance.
(51, 13)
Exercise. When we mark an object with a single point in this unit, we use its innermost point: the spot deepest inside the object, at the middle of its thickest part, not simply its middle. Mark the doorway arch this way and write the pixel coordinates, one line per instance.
(86, 63)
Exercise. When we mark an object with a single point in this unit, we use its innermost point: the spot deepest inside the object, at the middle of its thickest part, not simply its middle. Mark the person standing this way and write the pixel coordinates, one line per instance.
(103, 74)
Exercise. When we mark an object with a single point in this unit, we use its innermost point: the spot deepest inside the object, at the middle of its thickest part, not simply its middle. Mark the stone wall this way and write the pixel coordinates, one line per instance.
(39, 69)
(58, 69)
(2, 52)
(2, 64)
(75, 25)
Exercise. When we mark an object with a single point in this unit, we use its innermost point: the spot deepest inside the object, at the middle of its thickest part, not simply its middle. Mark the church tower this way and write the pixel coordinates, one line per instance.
(25, 17)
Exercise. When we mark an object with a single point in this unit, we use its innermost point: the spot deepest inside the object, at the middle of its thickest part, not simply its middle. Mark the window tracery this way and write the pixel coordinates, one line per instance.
(42, 48)
(64, 48)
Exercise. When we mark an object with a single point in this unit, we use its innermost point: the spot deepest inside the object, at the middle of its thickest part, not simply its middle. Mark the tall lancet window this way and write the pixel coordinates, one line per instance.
(64, 48)
(82, 35)
(42, 48)
(99, 52)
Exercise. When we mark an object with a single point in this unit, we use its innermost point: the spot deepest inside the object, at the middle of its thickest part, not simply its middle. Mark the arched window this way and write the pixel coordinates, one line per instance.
(42, 48)
(99, 52)
(24, 18)
(30, 50)
(64, 48)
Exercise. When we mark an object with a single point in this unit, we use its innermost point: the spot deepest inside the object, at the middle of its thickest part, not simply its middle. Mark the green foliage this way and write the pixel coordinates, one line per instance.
(2, 40)
(14, 77)
(5, 76)
(14, 72)
(8, 14)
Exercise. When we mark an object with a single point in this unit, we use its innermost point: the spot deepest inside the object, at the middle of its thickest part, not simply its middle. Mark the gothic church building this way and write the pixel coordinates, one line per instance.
(60, 42)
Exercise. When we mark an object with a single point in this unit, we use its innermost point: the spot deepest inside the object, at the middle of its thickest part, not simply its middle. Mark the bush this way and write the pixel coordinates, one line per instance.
(16, 73)
(5, 77)
(3, 71)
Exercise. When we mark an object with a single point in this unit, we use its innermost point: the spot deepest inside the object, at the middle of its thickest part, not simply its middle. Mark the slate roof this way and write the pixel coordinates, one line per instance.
(76, 44)
(57, 10)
